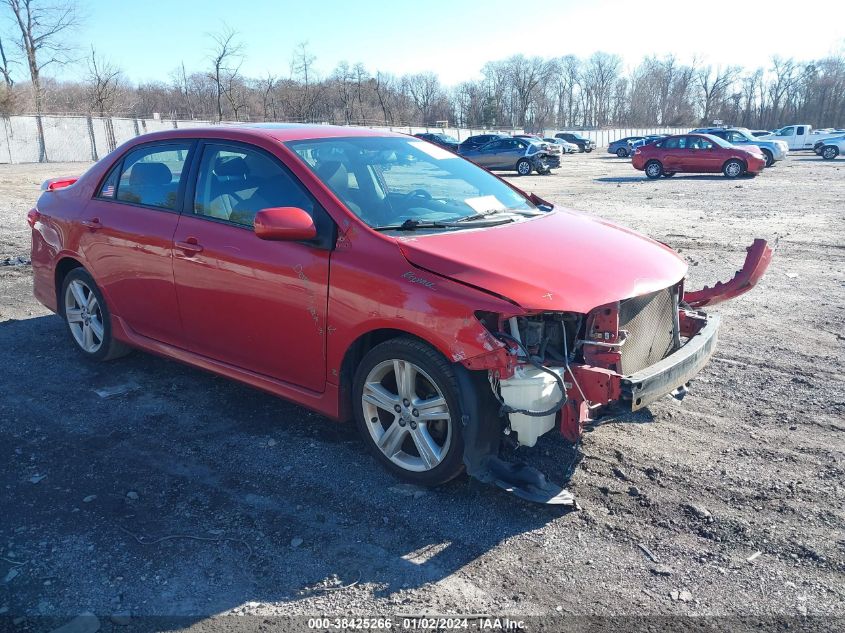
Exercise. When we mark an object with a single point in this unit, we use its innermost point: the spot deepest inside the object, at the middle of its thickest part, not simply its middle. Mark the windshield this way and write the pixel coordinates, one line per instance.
(446, 138)
(717, 140)
(388, 181)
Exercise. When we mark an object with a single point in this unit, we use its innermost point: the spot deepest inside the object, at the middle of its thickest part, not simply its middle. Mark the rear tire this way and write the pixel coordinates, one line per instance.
(84, 310)
(653, 169)
(429, 414)
(622, 152)
(829, 152)
(733, 168)
(523, 167)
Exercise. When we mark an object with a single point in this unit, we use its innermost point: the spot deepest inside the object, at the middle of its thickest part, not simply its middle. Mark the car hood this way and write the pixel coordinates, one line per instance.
(561, 261)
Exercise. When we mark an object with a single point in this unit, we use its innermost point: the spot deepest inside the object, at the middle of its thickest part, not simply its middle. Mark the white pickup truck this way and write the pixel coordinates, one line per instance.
(799, 136)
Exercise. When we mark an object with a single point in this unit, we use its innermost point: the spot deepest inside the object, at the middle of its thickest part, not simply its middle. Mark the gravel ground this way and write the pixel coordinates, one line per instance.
(187, 494)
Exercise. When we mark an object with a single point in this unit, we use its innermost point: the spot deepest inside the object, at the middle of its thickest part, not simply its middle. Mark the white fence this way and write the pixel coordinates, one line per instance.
(85, 139)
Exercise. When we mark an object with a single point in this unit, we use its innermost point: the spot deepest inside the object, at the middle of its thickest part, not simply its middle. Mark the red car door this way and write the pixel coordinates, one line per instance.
(673, 150)
(255, 304)
(704, 155)
(127, 241)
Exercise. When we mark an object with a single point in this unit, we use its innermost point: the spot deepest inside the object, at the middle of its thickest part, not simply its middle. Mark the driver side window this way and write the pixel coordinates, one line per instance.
(235, 183)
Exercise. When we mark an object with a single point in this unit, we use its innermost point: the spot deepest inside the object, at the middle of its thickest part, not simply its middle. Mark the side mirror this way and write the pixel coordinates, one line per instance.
(287, 224)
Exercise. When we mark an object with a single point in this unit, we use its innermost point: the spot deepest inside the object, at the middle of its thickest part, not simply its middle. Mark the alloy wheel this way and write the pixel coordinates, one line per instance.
(84, 316)
(406, 415)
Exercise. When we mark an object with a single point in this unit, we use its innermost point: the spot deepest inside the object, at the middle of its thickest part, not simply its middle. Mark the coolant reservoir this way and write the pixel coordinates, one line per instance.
(535, 390)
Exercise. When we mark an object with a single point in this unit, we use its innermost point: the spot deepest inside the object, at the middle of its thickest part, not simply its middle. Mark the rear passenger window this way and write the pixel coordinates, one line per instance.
(151, 175)
(235, 183)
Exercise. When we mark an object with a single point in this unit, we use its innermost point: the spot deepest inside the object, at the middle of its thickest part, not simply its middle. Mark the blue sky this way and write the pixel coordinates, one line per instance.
(453, 37)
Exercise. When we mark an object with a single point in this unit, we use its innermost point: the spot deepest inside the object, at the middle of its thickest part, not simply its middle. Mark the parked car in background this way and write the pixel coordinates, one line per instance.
(773, 150)
(472, 142)
(513, 154)
(621, 146)
(645, 140)
(819, 145)
(832, 147)
(584, 144)
(278, 256)
(438, 138)
(565, 146)
(551, 148)
(799, 136)
(697, 154)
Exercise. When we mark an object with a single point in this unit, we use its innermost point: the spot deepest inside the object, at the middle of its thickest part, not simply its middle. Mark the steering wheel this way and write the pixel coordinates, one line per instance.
(417, 193)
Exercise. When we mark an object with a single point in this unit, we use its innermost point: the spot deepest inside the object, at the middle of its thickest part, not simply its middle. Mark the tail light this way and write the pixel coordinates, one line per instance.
(32, 217)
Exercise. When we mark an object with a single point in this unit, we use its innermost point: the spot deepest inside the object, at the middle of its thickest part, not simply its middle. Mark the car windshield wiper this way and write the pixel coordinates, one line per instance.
(412, 225)
(484, 216)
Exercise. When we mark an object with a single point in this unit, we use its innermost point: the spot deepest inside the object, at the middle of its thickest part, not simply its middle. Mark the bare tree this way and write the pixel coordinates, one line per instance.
(42, 28)
(267, 87)
(714, 87)
(226, 58)
(6, 69)
(425, 90)
(104, 83)
(301, 69)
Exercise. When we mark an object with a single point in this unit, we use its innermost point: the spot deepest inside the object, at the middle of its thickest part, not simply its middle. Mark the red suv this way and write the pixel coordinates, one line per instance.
(698, 153)
(373, 276)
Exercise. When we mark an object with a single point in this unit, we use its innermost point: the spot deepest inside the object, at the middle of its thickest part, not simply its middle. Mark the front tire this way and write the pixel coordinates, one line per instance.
(733, 168)
(770, 159)
(829, 152)
(653, 169)
(408, 411)
(622, 152)
(87, 317)
(523, 167)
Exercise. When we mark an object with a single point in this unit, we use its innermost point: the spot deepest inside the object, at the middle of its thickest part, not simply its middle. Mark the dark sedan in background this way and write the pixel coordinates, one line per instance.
(438, 138)
(584, 144)
(620, 146)
(513, 154)
(474, 142)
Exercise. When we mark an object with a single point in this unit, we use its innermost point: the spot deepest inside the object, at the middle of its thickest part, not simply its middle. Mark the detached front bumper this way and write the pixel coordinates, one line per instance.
(676, 370)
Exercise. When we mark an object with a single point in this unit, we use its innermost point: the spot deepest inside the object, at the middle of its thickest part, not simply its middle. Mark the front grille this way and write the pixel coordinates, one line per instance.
(651, 323)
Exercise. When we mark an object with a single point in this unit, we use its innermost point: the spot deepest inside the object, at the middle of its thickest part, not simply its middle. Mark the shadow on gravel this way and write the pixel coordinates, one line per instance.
(187, 494)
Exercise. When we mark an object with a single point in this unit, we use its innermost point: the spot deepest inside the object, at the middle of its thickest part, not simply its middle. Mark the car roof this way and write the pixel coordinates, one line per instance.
(277, 131)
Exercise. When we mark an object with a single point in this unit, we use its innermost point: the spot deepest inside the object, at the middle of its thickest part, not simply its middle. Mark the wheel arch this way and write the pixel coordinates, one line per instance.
(63, 268)
(355, 353)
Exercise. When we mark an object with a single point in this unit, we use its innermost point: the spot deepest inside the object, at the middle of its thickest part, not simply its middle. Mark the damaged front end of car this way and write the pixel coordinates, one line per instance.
(567, 370)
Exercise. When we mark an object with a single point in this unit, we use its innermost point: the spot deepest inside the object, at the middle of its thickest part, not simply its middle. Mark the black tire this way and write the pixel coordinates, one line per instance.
(829, 152)
(588, 150)
(109, 348)
(523, 167)
(668, 174)
(622, 152)
(733, 168)
(770, 159)
(581, 148)
(443, 378)
(653, 169)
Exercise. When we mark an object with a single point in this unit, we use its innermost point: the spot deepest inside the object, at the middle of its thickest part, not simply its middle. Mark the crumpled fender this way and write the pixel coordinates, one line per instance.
(757, 261)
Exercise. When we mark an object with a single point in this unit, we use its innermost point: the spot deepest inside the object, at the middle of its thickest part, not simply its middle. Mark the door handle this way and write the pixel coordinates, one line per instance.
(190, 246)
(93, 224)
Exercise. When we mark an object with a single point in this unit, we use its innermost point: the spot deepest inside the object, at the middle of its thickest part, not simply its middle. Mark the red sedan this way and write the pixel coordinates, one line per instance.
(698, 154)
(373, 276)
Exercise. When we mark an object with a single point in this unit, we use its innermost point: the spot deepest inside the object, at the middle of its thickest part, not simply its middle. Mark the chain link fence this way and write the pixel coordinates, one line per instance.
(85, 139)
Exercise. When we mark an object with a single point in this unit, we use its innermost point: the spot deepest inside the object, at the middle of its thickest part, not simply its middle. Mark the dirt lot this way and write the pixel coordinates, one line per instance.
(275, 510)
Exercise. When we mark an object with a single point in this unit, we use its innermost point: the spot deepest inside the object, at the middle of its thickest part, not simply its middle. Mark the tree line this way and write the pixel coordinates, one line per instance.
(528, 92)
